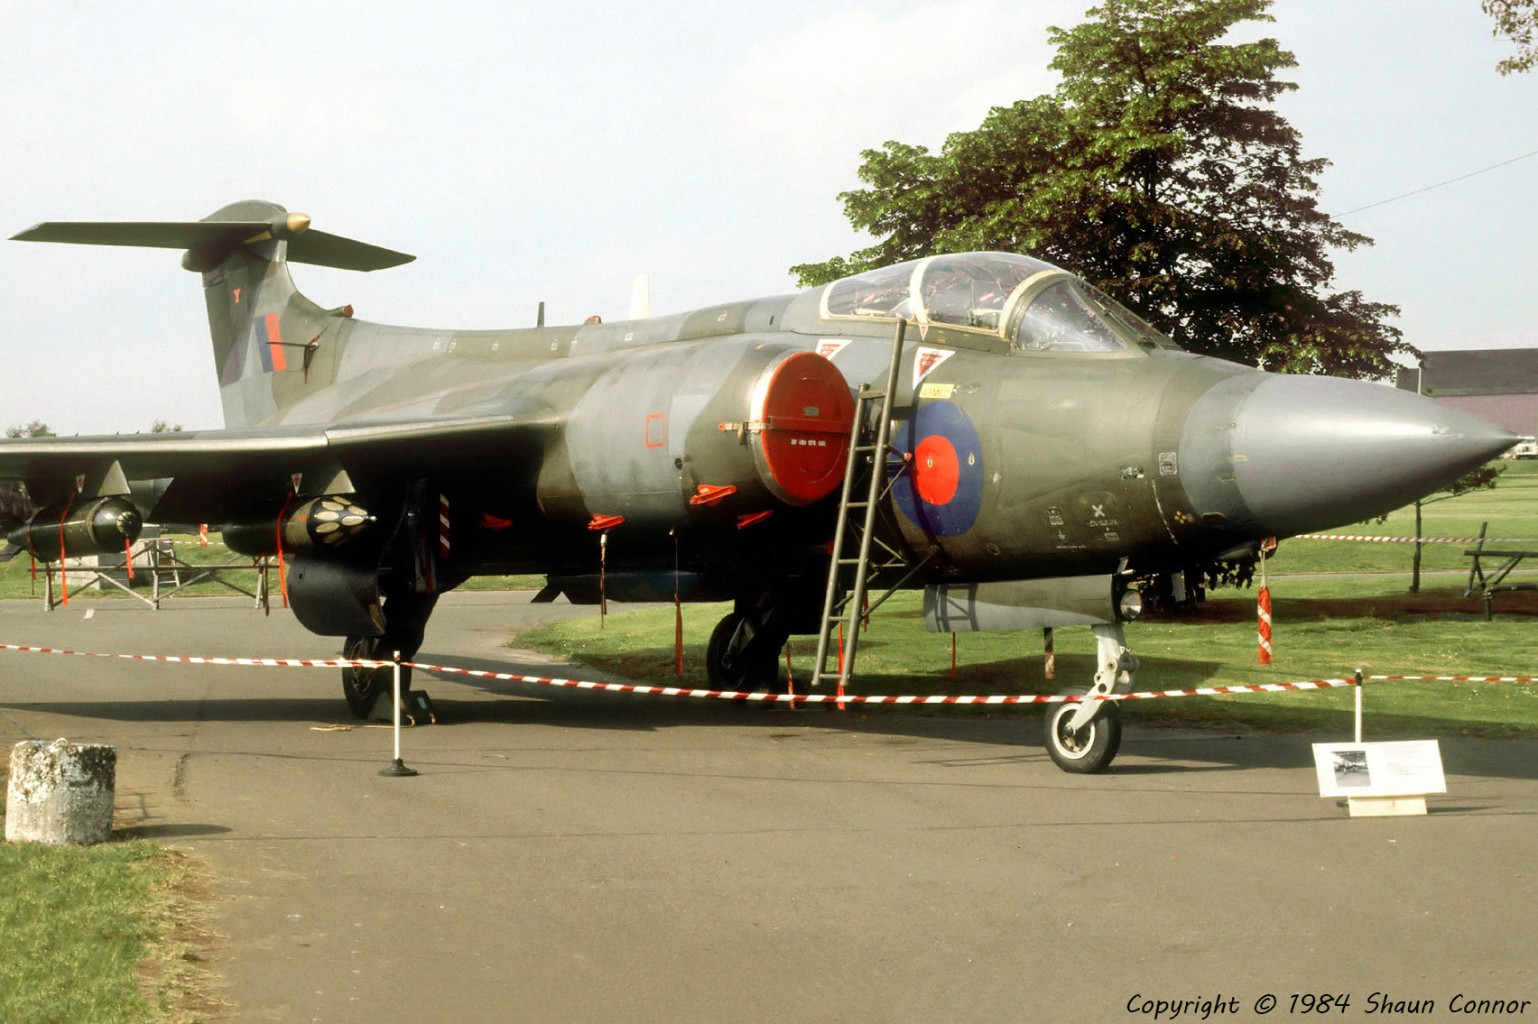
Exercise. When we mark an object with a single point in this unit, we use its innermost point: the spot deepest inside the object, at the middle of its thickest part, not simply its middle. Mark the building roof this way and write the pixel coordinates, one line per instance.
(1483, 371)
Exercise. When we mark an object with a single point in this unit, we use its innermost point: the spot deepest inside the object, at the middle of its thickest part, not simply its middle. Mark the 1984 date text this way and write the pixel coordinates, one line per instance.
(1378, 1004)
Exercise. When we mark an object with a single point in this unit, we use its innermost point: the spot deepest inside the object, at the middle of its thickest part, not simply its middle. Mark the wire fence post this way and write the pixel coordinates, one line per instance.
(397, 768)
(1358, 705)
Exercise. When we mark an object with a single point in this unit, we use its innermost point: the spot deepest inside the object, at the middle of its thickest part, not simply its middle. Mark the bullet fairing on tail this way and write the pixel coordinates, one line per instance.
(1036, 446)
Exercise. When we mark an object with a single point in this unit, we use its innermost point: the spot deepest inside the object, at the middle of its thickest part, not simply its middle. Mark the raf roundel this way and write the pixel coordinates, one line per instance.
(941, 491)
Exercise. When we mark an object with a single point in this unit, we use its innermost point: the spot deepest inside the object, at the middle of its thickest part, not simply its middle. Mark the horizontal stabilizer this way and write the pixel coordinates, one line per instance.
(304, 246)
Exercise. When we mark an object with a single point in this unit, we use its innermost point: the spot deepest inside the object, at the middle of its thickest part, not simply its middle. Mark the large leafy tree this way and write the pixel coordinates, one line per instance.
(1159, 170)
(1517, 20)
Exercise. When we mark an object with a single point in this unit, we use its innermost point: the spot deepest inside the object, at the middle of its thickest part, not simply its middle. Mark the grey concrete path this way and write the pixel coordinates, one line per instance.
(581, 857)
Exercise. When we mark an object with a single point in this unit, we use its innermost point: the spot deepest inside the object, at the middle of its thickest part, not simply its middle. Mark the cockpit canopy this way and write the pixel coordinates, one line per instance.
(1032, 305)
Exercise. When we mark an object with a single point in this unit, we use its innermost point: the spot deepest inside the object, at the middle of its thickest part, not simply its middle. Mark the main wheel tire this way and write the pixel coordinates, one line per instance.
(361, 687)
(1093, 747)
(750, 670)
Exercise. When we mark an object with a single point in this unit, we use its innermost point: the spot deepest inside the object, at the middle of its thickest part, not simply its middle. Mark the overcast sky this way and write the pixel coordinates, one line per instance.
(528, 152)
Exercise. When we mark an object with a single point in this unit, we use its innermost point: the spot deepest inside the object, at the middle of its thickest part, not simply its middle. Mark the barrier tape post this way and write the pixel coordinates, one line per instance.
(678, 615)
(397, 768)
(1263, 612)
(1358, 705)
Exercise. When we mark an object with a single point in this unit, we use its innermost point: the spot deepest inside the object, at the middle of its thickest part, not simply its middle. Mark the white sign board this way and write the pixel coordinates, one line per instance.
(1410, 768)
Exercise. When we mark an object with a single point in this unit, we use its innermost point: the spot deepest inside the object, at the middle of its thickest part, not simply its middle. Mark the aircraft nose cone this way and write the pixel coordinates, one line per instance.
(1277, 455)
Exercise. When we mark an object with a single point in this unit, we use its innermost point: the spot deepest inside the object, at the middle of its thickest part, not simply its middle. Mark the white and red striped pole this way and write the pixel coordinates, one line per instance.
(1263, 610)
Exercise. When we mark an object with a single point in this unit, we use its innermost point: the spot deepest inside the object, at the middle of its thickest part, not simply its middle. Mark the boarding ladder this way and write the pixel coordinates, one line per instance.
(867, 480)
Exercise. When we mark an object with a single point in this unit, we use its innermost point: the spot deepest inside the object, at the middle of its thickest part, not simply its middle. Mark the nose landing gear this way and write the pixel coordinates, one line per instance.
(1083, 736)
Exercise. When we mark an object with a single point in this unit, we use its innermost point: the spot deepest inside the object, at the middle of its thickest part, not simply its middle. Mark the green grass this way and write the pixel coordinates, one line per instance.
(1511, 509)
(19, 581)
(86, 935)
(90, 935)
(1325, 627)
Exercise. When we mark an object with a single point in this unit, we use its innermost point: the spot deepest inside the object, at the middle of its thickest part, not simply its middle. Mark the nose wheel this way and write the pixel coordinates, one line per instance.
(1086, 748)
(1083, 736)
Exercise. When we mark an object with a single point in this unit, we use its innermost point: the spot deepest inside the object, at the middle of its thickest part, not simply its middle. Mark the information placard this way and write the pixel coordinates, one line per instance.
(1405, 768)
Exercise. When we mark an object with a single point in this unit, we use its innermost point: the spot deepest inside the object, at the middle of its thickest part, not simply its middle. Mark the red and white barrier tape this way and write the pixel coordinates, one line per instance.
(177, 660)
(1362, 538)
(934, 699)
(771, 698)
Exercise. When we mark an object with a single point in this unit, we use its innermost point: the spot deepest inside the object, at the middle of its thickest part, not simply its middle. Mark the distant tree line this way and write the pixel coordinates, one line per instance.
(15, 504)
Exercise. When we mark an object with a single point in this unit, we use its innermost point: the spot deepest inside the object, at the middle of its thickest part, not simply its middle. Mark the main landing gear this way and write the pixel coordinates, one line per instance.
(743, 654)
(406, 615)
(745, 647)
(1083, 736)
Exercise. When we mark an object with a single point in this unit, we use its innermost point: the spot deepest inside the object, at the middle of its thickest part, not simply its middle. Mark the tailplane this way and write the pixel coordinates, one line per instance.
(267, 338)
(209, 241)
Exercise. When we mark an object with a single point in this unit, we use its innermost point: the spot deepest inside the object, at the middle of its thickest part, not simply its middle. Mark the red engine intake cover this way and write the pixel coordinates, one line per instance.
(805, 411)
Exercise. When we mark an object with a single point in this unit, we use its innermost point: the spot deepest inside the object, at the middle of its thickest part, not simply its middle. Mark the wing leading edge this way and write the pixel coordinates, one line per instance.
(221, 474)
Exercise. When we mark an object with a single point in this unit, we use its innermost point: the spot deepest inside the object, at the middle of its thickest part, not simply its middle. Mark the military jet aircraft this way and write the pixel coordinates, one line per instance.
(1035, 446)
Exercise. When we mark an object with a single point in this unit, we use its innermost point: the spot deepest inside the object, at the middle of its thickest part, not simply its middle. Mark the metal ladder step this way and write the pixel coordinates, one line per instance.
(842, 603)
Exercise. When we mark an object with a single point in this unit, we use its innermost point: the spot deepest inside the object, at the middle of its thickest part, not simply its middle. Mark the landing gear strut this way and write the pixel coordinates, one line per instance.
(1082, 737)
(361, 687)
(745, 647)
(406, 615)
(741, 656)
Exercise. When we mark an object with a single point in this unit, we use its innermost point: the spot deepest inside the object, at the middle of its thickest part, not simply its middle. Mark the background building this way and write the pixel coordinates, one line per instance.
(1500, 384)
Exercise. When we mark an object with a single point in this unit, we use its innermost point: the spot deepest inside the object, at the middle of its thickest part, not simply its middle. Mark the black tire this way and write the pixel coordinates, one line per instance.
(723, 676)
(1093, 748)
(361, 687)
(748, 671)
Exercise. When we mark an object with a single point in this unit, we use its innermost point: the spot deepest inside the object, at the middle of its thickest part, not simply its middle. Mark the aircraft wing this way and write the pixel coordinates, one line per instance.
(216, 475)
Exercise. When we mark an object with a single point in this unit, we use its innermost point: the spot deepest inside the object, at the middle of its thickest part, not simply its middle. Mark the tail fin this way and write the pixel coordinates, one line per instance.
(266, 336)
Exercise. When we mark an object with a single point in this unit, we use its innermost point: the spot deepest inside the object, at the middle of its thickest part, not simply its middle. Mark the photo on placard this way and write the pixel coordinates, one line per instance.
(1351, 769)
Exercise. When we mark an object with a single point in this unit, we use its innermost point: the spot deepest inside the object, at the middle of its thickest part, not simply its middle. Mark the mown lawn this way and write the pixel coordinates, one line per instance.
(89, 936)
(21, 580)
(1325, 626)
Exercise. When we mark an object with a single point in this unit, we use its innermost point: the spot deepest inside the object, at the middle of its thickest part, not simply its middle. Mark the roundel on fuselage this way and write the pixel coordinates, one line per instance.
(941, 491)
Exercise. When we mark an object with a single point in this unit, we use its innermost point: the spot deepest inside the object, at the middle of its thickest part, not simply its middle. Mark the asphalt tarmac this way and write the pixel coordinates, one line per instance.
(568, 856)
